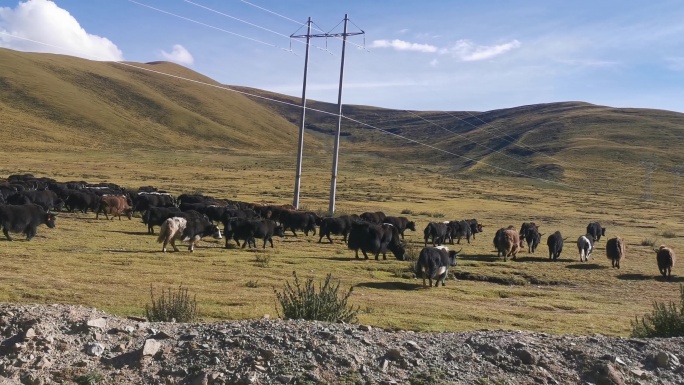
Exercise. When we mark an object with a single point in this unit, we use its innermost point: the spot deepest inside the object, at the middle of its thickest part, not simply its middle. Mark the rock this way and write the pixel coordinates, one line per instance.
(119, 348)
(393, 354)
(43, 363)
(606, 374)
(666, 360)
(638, 373)
(30, 334)
(284, 379)
(150, 348)
(100, 323)
(384, 365)
(365, 328)
(525, 356)
(412, 346)
(95, 350)
(161, 336)
(620, 361)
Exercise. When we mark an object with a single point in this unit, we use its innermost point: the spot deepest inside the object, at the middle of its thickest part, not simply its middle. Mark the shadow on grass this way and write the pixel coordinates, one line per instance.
(147, 251)
(644, 277)
(534, 259)
(480, 257)
(340, 259)
(586, 266)
(135, 233)
(391, 285)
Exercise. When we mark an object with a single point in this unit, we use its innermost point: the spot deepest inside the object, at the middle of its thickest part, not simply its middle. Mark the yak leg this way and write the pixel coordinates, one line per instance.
(364, 253)
(270, 240)
(173, 243)
(30, 233)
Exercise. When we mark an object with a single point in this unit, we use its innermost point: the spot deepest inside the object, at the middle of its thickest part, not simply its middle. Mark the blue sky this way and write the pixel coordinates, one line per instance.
(421, 55)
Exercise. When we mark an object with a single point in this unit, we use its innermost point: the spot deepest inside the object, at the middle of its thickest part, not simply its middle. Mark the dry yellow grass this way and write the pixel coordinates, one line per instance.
(73, 119)
(111, 264)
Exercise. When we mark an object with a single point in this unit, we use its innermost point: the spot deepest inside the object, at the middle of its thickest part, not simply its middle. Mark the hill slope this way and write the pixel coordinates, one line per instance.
(551, 141)
(64, 101)
(54, 101)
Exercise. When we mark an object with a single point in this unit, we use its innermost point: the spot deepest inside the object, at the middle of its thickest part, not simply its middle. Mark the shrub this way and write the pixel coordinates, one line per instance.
(669, 234)
(91, 378)
(665, 320)
(253, 284)
(648, 242)
(263, 260)
(303, 302)
(170, 306)
(407, 211)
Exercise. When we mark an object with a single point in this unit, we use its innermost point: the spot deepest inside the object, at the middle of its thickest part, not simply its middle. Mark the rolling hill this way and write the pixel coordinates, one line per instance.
(50, 101)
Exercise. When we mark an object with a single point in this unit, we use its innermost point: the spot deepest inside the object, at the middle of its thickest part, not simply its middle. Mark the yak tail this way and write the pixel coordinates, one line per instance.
(163, 232)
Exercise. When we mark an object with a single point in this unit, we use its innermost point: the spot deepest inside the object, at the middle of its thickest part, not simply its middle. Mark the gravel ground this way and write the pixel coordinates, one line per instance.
(45, 344)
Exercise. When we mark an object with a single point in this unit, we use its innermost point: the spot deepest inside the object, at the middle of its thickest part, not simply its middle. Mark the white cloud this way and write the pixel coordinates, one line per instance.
(178, 55)
(44, 22)
(401, 45)
(466, 50)
(434, 62)
(403, 31)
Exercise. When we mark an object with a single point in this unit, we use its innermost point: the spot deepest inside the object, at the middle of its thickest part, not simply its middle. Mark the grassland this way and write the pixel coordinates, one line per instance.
(72, 119)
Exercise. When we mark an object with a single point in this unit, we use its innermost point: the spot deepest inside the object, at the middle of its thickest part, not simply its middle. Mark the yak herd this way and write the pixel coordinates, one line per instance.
(27, 202)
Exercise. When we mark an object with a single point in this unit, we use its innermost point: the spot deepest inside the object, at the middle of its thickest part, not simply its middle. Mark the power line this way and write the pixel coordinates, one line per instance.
(466, 138)
(245, 22)
(209, 26)
(514, 142)
(458, 155)
(326, 113)
(297, 22)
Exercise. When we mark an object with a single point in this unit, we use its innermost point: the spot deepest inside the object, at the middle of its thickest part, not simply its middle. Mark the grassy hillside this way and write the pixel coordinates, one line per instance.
(73, 119)
(577, 144)
(50, 101)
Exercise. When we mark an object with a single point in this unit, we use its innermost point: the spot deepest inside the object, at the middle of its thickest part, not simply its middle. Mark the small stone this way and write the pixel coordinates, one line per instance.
(393, 354)
(100, 323)
(384, 365)
(662, 360)
(161, 336)
(365, 328)
(260, 368)
(638, 373)
(82, 363)
(451, 356)
(43, 363)
(215, 361)
(620, 361)
(30, 334)
(129, 329)
(284, 379)
(525, 356)
(151, 347)
(94, 349)
(266, 316)
(119, 348)
(98, 336)
(267, 354)
(190, 335)
(412, 346)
